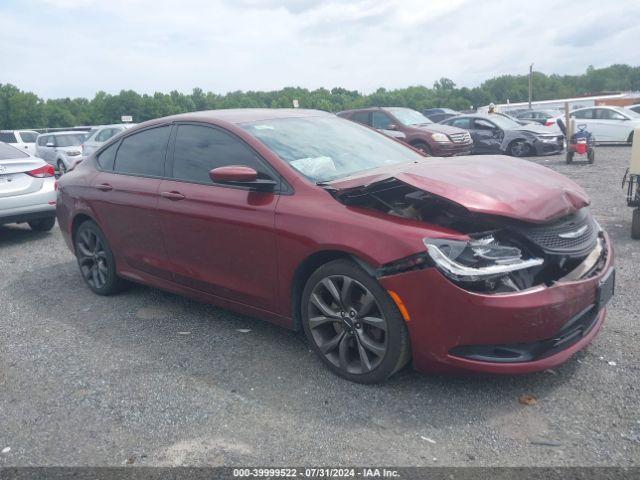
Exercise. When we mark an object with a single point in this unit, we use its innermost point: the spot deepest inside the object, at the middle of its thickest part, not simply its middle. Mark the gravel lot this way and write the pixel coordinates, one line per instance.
(150, 378)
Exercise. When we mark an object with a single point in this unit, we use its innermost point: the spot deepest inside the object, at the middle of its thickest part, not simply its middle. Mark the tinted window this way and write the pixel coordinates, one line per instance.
(42, 140)
(380, 120)
(28, 137)
(588, 113)
(606, 114)
(107, 157)
(361, 117)
(143, 153)
(481, 124)
(8, 152)
(199, 149)
(8, 137)
(460, 123)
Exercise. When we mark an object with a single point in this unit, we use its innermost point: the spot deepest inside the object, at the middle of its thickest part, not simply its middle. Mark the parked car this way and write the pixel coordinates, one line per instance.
(378, 253)
(608, 124)
(497, 133)
(60, 149)
(439, 114)
(536, 116)
(420, 132)
(22, 139)
(27, 189)
(101, 134)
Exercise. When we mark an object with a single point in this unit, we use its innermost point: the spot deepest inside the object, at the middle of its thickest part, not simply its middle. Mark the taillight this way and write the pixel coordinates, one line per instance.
(42, 172)
(549, 122)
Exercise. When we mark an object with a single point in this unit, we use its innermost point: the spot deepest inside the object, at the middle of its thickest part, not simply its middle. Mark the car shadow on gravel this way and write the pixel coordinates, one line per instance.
(219, 351)
(17, 234)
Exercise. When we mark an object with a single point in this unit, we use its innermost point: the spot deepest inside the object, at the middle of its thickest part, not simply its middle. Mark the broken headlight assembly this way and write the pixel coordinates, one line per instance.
(484, 262)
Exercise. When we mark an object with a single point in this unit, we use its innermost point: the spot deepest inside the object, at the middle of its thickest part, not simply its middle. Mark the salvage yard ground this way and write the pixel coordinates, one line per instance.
(150, 378)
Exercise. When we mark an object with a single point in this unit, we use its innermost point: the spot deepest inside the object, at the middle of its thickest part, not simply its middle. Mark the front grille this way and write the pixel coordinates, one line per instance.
(460, 137)
(574, 235)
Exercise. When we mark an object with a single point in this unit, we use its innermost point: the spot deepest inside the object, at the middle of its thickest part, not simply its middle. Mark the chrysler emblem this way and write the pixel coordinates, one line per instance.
(575, 233)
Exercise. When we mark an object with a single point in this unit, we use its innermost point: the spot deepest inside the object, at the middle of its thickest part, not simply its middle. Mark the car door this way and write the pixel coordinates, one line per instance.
(220, 239)
(486, 136)
(46, 149)
(124, 197)
(29, 141)
(585, 117)
(614, 126)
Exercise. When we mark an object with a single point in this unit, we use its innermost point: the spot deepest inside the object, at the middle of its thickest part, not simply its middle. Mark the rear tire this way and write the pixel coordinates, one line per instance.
(591, 155)
(635, 224)
(96, 261)
(352, 324)
(43, 224)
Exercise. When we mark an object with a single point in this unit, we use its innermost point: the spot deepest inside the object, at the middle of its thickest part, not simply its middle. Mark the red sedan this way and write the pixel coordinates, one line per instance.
(382, 256)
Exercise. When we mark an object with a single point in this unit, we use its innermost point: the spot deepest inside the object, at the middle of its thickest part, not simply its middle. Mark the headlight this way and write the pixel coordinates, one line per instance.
(72, 153)
(478, 259)
(440, 137)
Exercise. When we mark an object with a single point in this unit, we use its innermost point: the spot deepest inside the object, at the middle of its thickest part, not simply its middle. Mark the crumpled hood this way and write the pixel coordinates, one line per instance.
(537, 129)
(492, 184)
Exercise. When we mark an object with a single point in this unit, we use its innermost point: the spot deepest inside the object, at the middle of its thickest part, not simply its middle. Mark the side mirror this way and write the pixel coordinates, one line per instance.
(241, 176)
(51, 144)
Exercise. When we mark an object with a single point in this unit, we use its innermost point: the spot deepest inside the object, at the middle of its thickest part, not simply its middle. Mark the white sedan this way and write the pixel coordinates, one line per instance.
(608, 124)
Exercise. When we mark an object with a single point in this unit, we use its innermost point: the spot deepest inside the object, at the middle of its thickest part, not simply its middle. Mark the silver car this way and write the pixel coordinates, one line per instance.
(60, 149)
(101, 134)
(27, 189)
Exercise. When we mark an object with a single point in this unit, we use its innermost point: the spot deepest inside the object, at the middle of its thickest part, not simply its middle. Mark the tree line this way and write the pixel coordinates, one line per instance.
(20, 109)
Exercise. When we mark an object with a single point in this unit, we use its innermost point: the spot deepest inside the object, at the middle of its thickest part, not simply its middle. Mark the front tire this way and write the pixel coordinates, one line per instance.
(96, 261)
(62, 169)
(352, 323)
(519, 148)
(43, 224)
(630, 139)
(422, 147)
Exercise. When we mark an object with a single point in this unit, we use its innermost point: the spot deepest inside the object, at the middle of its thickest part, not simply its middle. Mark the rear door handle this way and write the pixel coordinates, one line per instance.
(172, 195)
(105, 187)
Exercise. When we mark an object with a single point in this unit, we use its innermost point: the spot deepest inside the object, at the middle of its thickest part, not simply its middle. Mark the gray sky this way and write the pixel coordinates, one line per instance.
(75, 48)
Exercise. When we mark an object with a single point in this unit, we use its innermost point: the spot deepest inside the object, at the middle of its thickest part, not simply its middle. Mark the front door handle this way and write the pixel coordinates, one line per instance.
(105, 187)
(172, 195)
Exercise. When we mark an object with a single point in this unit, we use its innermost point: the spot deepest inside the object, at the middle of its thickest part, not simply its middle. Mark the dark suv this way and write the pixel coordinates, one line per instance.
(419, 132)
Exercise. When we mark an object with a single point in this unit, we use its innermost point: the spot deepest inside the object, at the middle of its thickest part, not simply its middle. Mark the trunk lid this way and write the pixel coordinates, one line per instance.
(493, 185)
(13, 179)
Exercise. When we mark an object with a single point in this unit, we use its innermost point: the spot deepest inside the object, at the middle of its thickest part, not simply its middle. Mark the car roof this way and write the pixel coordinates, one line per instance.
(66, 132)
(244, 115)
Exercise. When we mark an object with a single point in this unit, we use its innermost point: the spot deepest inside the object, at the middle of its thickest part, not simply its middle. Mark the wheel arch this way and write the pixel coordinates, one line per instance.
(78, 220)
(306, 269)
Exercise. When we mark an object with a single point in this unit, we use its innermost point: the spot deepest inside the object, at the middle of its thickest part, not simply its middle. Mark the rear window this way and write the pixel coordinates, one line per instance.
(8, 137)
(143, 153)
(28, 137)
(7, 152)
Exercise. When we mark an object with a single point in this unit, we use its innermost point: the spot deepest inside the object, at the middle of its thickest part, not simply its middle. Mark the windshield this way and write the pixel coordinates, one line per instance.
(630, 113)
(70, 140)
(505, 123)
(327, 148)
(406, 116)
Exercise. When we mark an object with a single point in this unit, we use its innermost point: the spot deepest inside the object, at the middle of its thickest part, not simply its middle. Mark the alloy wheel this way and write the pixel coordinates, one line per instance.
(92, 258)
(347, 324)
(519, 149)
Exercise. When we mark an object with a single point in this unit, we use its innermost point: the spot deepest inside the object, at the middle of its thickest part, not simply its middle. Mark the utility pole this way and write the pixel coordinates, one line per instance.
(530, 78)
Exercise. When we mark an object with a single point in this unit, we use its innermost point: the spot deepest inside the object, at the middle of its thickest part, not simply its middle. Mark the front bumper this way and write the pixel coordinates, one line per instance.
(450, 149)
(446, 319)
(549, 148)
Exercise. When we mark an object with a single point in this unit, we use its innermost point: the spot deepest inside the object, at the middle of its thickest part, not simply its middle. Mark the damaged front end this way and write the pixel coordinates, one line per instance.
(494, 254)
